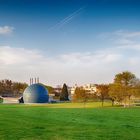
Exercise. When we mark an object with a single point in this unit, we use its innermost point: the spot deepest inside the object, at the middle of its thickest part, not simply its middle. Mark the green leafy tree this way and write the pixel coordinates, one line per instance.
(64, 95)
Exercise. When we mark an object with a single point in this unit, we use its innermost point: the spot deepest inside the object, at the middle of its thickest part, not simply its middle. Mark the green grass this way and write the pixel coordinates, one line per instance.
(74, 105)
(68, 121)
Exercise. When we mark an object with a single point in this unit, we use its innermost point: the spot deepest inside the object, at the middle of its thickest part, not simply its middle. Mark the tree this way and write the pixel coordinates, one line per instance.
(18, 88)
(9, 88)
(134, 89)
(50, 89)
(116, 92)
(124, 78)
(64, 95)
(102, 92)
(124, 87)
(6, 87)
(81, 95)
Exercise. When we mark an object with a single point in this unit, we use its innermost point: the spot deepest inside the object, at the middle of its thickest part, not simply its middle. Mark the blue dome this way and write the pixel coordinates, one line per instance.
(35, 93)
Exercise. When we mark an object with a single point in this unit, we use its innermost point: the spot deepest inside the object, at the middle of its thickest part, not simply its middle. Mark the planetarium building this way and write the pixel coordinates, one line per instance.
(36, 93)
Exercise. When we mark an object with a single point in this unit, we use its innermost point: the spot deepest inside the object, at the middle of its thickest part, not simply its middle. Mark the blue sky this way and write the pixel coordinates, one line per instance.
(63, 36)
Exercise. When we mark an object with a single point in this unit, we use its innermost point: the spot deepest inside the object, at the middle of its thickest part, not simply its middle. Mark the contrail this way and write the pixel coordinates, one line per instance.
(67, 19)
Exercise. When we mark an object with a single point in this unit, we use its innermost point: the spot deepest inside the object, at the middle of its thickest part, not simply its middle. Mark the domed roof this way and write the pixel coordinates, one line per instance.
(35, 93)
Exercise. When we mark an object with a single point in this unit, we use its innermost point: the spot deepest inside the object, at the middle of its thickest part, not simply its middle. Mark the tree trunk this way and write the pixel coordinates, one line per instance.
(125, 102)
(102, 102)
(112, 102)
(129, 100)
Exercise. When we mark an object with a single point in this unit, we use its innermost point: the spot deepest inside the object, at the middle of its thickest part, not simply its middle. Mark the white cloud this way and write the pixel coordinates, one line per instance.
(97, 67)
(6, 30)
(127, 34)
(122, 39)
(11, 56)
(80, 67)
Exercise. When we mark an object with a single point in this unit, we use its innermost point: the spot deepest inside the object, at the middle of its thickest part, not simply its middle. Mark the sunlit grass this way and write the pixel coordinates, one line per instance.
(68, 121)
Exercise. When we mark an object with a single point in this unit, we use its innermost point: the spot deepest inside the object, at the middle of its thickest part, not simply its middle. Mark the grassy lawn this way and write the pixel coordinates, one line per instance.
(68, 121)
